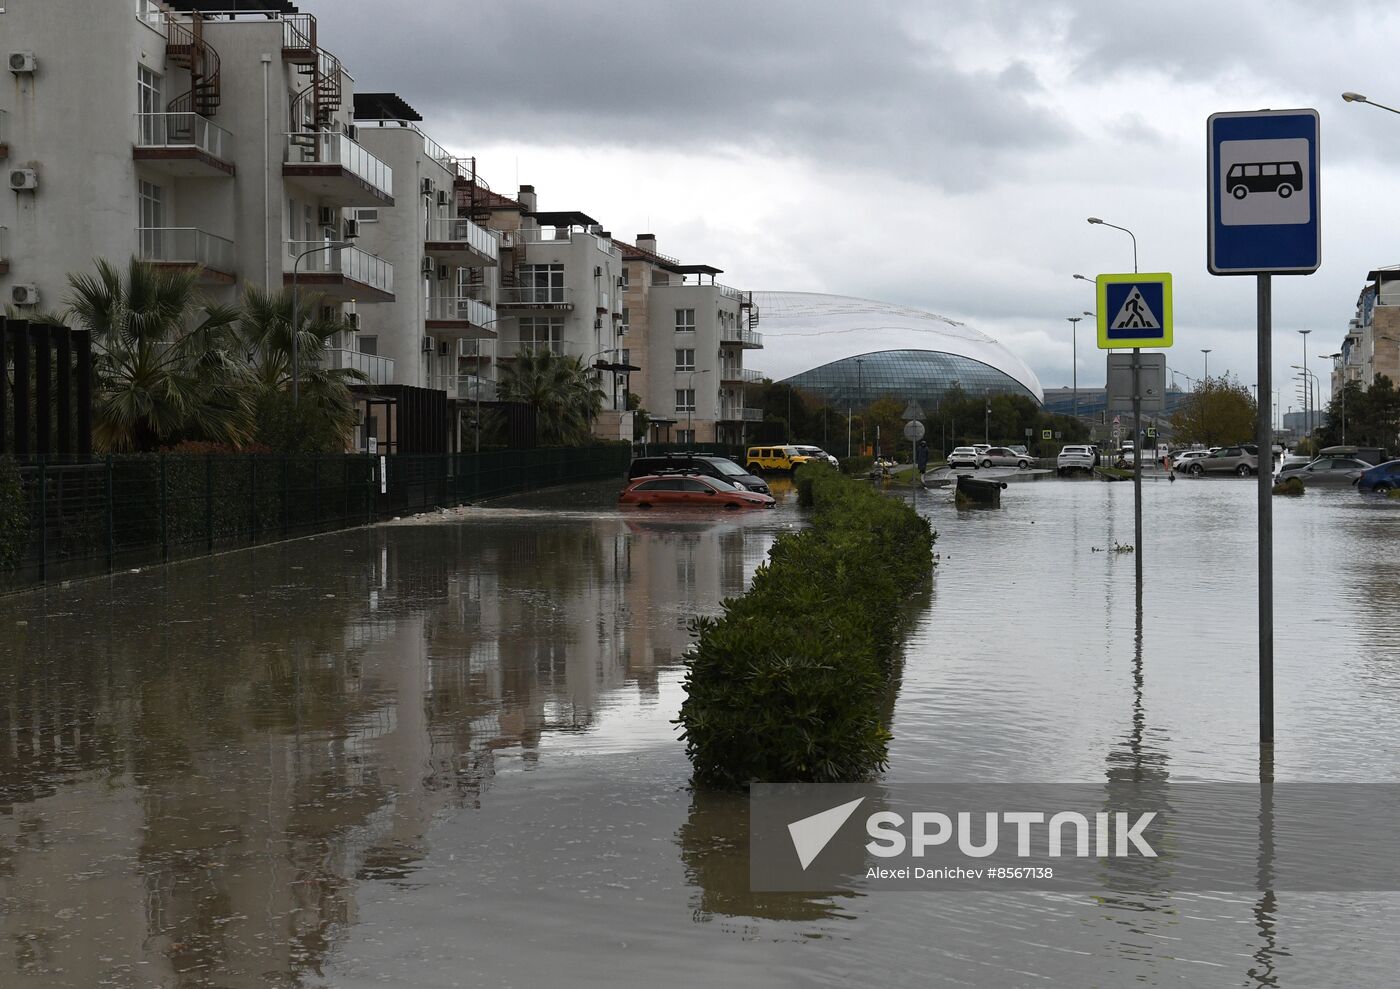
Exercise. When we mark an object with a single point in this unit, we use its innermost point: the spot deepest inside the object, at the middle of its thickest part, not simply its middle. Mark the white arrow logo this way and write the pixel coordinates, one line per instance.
(811, 834)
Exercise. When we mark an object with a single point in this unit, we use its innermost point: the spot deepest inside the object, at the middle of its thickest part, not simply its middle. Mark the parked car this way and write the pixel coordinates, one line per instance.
(761, 458)
(688, 490)
(817, 453)
(1183, 459)
(981, 447)
(1072, 458)
(1381, 478)
(1372, 455)
(963, 456)
(1327, 470)
(1001, 456)
(695, 463)
(1293, 461)
(1242, 460)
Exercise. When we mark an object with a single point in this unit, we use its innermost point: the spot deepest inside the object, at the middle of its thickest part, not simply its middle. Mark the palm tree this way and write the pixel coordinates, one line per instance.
(163, 363)
(325, 411)
(565, 397)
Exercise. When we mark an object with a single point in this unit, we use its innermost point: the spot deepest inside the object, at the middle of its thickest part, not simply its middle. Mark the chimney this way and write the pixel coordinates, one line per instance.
(647, 242)
(527, 197)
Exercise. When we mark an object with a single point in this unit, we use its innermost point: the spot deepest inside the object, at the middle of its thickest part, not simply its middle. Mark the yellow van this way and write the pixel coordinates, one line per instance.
(774, 458)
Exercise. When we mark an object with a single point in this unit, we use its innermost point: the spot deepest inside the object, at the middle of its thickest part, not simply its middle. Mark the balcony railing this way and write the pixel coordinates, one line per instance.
(535, 295)
(543, 235)
(350, 262)
(469, 387)
(458, 229)
(747, 338)
(735, 413)
(185, 245)
(745, 374)
(379, 370)
(183, 130)
(460, 308)
(320, 148)
(148, 12)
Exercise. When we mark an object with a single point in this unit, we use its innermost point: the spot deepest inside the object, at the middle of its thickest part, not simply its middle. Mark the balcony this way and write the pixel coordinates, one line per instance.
(379, 370)
(747, 339)
(735, 413)
(460, 318)
(338, 170)
(188, 247)
(455, 239)
(740, 375)
(534, 297)
(185, 145)
(340, 274)
(464, 387)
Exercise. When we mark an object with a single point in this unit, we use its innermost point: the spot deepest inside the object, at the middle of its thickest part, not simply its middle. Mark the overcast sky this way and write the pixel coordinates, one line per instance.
(942, 155)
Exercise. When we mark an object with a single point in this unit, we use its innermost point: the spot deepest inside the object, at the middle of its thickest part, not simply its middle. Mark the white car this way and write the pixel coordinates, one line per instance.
(963, 456)
(817, 453)
(1182, 459)
(1074, 458)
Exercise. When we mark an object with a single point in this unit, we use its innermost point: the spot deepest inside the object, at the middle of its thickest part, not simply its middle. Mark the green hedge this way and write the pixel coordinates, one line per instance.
(790, 682)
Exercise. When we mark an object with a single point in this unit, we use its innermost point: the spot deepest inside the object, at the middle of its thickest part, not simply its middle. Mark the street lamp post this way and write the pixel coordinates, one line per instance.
(860, 397)
(1205, 373)
(1336, 365)
(1137, 424)
(1358, 98)
(1074, 357)
(1308, 400)
(334, 245)
(1307, 407)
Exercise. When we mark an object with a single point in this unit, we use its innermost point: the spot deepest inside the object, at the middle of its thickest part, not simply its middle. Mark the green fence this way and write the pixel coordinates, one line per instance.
(120, 512)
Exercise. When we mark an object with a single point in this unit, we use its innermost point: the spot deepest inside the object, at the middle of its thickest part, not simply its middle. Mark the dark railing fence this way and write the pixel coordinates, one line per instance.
(45, 390)
(84, 518)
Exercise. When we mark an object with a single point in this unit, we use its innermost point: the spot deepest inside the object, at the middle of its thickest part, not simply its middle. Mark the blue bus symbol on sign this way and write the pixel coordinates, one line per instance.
(1262, 193)
(1136, 310)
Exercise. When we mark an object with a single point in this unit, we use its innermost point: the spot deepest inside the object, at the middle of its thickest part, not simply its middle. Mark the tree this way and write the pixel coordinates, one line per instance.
(164, 366)
(1219, 411)
(1372, 415)
(564, 393)
(321, 419)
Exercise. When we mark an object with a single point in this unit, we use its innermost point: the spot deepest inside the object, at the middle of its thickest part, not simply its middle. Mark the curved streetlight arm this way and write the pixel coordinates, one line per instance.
(296, 316)
(1103, 223)
(1358, 98)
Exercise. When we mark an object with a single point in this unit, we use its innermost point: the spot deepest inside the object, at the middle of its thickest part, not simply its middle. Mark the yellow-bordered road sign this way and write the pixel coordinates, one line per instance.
(1135, 310)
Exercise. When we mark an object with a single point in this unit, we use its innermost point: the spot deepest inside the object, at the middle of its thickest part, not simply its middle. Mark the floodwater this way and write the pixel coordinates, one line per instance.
(440, 752)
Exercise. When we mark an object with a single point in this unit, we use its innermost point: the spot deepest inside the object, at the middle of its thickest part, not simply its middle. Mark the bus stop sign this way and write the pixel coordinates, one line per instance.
(1262, 193)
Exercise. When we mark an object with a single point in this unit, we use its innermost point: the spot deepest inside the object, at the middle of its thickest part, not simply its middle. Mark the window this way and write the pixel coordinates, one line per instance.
(542, 283)
(626, 278)
(369, 345)
(685, 358)
(367, 214)
(148, 103)
(649, 486)
(685, 436)
(151, 214)
(542, 333)
(685, 399)
(626, 323)
(685, 320)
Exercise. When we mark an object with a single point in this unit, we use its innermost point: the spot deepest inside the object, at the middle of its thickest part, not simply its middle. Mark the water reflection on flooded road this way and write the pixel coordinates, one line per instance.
(440, 753)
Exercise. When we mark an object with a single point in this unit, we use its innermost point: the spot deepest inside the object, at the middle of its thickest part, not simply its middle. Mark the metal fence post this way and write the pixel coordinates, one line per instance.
(111, 536)
(284, 496)
(209, 503)
(253, 497)
(345, 489)
(164, 514)
(316, 488)
(43, 520)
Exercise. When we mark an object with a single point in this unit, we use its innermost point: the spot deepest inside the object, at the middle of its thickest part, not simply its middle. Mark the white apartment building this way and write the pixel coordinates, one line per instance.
(689, 336)
(1371, 345)
(216, 141)
(443, 309)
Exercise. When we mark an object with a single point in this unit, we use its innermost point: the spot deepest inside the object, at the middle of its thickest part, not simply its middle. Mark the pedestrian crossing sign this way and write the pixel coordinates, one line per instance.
(1135, 310)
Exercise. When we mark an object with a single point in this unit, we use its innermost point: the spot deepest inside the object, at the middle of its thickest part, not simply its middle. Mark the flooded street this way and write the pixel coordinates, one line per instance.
(440, 753)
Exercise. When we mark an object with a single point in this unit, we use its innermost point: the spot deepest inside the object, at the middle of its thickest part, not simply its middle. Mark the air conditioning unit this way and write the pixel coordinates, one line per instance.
(24, 295)
(444, 271)
(327, 216)
(427, 187)
(23, 178)
(443, 197)
(621, 283)
(352, 132)
(23, 63)
(597, 271)
(428, 266)
(352, 320)
(598, 323)
(352, 229)
(427, 345)
(444, 348)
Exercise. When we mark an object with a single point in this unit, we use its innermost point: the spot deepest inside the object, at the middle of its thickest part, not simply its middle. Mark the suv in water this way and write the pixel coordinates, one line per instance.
(1242, 460)
(1074, 458)
(774, 458)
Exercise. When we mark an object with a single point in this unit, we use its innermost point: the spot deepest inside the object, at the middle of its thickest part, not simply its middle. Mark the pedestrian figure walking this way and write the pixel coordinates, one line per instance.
(921, 455)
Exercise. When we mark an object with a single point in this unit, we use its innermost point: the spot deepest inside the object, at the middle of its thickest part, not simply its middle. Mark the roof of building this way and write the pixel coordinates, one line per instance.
(699, 269)
(635, 253)
(1391, 271)
(234, 6)
(563, 218)
(383, 106)
(484, 196)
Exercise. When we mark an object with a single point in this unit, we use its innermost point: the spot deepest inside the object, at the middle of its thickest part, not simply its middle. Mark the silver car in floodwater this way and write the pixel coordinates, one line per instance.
(1326, 470)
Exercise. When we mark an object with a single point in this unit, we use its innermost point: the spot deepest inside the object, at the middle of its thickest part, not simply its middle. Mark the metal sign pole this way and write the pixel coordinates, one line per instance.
(1137, 462)
(1264, 440)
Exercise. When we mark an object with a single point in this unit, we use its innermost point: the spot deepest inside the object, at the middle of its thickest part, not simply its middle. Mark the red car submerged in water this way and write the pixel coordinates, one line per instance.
(688, 490)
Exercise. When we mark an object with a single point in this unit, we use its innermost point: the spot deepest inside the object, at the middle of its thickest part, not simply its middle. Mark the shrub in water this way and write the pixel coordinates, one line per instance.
(789, 683)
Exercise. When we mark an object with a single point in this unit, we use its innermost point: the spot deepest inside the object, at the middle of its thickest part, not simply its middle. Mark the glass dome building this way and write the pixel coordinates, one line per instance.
(876, 350)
